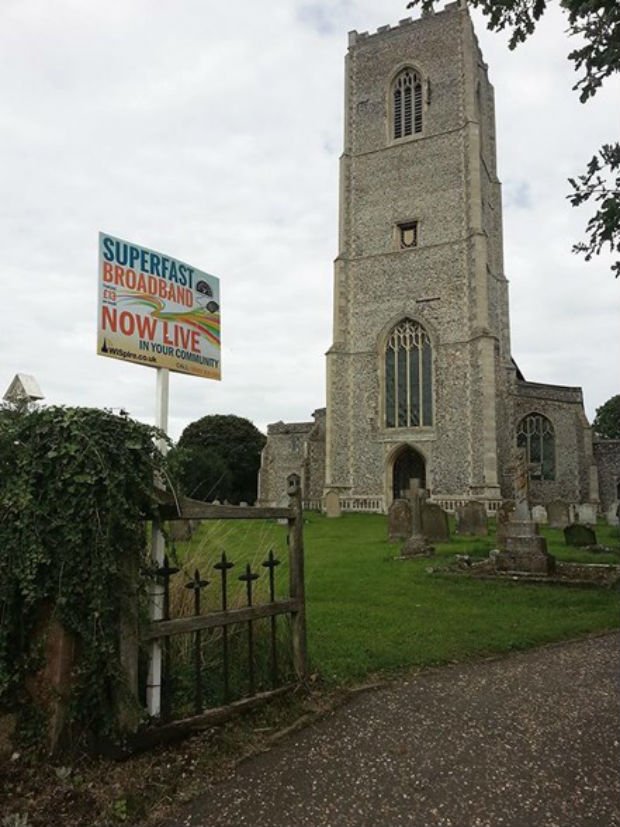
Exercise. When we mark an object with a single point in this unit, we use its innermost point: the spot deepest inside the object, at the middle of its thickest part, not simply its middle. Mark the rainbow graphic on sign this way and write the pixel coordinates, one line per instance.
(156, 310)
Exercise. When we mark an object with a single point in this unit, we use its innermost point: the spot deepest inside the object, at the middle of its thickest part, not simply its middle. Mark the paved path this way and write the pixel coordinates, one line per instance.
(528, 740)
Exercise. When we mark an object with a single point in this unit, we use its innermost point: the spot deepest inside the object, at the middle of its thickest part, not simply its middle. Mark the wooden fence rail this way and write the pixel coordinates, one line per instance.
(183, 625)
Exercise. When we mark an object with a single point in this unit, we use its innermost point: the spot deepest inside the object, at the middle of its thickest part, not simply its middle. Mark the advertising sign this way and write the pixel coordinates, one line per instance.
(156, 310)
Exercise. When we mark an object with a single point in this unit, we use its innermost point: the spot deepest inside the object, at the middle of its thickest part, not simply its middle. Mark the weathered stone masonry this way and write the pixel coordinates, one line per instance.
(450, 285)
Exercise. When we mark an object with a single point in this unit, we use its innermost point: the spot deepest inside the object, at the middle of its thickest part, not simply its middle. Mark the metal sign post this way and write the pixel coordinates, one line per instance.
(157, 311)
(158, 549)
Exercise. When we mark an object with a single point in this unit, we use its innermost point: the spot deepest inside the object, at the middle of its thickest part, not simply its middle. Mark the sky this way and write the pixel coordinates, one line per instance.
(211, 131)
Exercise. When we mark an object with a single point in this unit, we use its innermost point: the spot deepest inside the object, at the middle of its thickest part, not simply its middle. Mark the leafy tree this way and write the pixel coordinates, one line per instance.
(597, 25)
(607, 420)
(218, 457)
(597, 183)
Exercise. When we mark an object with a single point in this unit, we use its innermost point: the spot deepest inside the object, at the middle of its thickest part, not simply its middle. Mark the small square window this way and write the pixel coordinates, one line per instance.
(408, 235)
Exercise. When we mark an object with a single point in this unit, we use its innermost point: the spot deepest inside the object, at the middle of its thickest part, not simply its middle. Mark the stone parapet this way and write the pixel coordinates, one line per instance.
(290, 428)
(557, 393)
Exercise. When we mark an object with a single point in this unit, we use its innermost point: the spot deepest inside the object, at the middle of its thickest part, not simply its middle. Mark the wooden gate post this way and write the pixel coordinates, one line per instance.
(296, 576)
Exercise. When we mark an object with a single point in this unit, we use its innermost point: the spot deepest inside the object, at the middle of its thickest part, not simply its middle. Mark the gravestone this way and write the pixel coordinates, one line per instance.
(181, 530)
(539, 514)
(586, 513)
(579, 535)
(283, 502)
(416, 544)
(399, 521)
(332, 504)
(471, 518)
(558, 514)
(417, 497)
(435, 527)
(613, 514)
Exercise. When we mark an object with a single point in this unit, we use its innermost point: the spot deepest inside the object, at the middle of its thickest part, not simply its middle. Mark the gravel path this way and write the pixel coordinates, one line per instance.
(528, 740)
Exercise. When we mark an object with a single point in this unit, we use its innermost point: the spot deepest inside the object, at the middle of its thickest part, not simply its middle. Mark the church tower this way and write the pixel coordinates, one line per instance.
(421, 383)
(420, 365)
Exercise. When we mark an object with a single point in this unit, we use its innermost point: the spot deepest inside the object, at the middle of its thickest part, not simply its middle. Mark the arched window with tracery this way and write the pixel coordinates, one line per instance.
(535, 433)
(408, 377)
(407, 104)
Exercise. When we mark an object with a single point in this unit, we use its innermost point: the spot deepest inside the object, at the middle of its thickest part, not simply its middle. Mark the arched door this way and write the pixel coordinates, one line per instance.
(409, 465)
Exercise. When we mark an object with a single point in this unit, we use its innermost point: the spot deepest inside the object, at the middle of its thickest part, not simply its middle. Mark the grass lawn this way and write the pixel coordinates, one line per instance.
(368, 613)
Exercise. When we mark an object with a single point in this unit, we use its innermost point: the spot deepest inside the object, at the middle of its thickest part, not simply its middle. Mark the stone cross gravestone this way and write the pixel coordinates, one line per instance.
(558, 514)
(471, 518)
(579, 535)
(399, 520)
(417, 497)
(416, 544)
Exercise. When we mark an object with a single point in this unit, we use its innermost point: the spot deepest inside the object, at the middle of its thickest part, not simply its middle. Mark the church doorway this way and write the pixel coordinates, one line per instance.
(409, 465)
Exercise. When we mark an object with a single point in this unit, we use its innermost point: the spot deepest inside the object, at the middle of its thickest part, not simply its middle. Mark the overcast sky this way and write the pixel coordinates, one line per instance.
(211, 131)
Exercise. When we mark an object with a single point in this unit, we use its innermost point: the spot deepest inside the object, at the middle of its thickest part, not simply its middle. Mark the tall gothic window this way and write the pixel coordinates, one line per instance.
(408, 377)
(535, 433)
(407, 104)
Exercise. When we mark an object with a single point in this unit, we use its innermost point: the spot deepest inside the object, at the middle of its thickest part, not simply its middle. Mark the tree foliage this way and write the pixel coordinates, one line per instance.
(218, 457)
(76, 486)
(607, 420)
(601, 181)
(596, 23)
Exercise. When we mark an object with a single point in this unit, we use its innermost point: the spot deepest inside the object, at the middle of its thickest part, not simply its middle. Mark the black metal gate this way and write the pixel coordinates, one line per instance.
(221, 644)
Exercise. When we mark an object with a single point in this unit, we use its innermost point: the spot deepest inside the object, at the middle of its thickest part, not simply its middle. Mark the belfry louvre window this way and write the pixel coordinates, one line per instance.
(407, 104)
(408, 377)
(535, 433)
(408, 235)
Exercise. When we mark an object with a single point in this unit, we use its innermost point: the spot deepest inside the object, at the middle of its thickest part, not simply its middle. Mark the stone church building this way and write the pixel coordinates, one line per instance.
(421, 382)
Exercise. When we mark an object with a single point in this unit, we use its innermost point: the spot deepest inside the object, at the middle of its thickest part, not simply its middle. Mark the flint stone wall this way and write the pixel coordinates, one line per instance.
(293, 448)
(563, 406)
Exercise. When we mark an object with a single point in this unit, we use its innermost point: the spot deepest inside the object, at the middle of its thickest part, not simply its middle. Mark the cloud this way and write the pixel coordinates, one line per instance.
(211, 132)
(517, 194)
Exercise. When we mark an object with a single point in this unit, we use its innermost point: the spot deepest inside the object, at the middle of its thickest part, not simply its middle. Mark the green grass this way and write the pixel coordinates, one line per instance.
(606, 535)
(369, 613)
